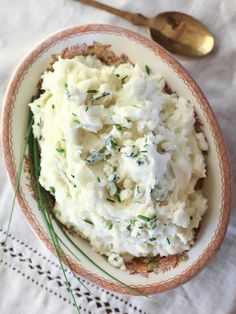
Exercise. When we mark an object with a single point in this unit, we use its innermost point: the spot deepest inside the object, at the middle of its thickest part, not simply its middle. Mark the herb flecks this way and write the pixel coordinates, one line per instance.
(104, 94)
(60, 150)
(89, 221)
(123, 79)
(148, 70)
(110, 200)
(167, 239)
(145, 218)
(77, 121)
(109, 226)
(152, 239)
(92, 91)
(52, 190)
(118, 126)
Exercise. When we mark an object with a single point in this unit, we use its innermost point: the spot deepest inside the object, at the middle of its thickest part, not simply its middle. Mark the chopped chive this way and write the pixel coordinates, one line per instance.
(113, 143)
(132, 221)
(110, 200)
(123, 79)
(109, 226)
(46, 212)
(72, 176)
(152, 239)
(105, 257)
(98, 179)
(92, 91)
(183, 258)
(53, 106)
(66, 85)
(52, 189)
(153, 226)
(117, 75)
(88, 221)
(153, 133)
(168, 240)
(86, 109)
(143, 151)
(76, 121)
(129, 228)
(148, 70)
(136, 106)
(145, 218)
(104, 94)
(118, 126)
(74, 114)
(60, 150)
(118, 195)
(191, 217)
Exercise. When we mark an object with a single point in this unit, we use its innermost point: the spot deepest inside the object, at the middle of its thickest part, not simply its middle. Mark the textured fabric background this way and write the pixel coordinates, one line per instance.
(30, 281)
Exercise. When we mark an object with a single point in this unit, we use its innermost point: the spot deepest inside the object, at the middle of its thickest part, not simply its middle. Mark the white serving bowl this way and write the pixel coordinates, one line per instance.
(217, 186)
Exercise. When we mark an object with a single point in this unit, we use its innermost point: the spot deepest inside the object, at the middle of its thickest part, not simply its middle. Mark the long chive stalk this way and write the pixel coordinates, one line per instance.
(47, 220)
(19, 172)
(35, 156)
(46, 214)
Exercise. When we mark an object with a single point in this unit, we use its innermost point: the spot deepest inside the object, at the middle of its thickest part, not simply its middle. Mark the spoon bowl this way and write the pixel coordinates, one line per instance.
(181, 33)
(177, 32)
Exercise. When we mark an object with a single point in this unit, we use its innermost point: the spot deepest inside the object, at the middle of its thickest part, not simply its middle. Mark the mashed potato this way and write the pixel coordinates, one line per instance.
(121, 157)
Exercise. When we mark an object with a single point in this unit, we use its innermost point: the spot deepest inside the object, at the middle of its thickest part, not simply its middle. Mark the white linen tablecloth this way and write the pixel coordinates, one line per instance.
(30, 279)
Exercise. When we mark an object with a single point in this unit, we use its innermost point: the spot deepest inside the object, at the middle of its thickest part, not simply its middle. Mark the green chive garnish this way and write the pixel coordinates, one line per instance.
(113, 143)
(148, 70)
(168, 240)
(110, 200)
(60, 150)
(47, 214)
(153, 226)
(86, 109)
(105, 257)
(53, 106)
(92, 91)
(74, 114)
(118, 126)
(183, 258)
(145, 218)
(104, 94)
(152, 239)
(136, 106)
(76, 121)
(66, 85)
(88, 221)
(98, 179)
(52, 189)
(117, 75)
(109, 226)
(123, 79)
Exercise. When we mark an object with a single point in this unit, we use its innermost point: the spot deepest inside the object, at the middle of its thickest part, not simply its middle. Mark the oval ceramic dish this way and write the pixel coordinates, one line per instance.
(217, 186)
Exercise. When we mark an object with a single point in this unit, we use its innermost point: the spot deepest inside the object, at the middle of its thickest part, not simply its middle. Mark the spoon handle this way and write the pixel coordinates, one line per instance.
(134, 18)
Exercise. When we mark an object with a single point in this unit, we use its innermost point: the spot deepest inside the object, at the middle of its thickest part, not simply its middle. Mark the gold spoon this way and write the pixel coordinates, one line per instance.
(177, 32)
